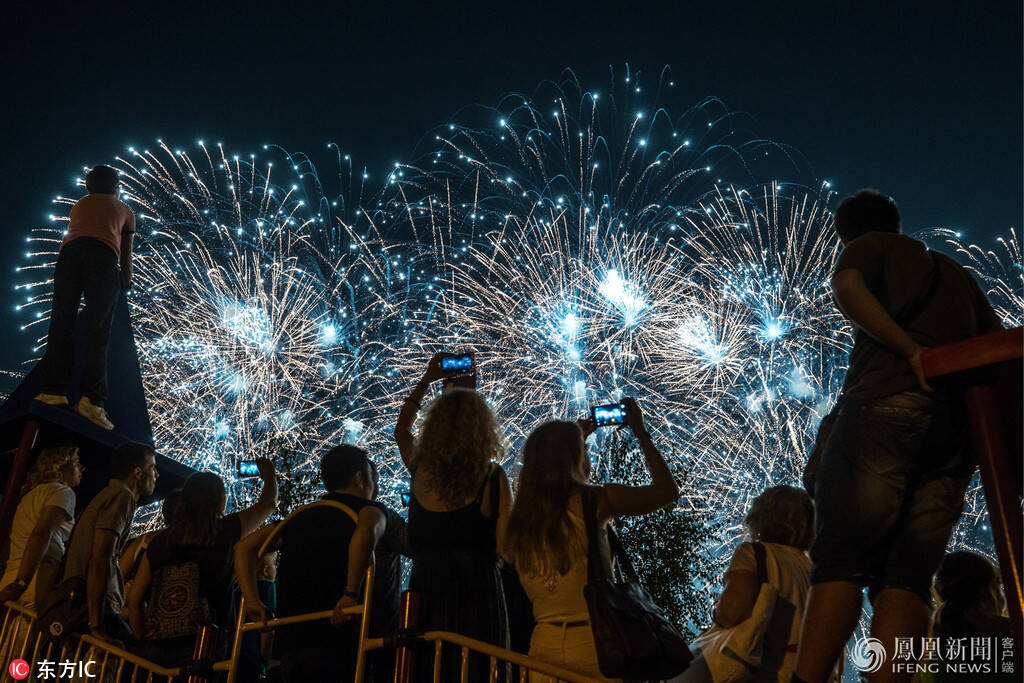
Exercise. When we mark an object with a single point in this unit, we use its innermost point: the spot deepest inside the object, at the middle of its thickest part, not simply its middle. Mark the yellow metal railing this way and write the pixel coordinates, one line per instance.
(362, 611)
(498, 657)
(19, 639)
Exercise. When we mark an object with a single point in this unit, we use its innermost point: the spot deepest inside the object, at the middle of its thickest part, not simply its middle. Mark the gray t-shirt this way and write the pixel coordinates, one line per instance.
(899, 271)
(113, 509)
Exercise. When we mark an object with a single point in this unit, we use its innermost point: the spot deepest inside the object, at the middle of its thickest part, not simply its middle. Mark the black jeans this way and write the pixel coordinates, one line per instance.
(84, 266)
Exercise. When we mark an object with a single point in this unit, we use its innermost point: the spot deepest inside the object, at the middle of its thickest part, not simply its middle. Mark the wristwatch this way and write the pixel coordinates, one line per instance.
(351, 594)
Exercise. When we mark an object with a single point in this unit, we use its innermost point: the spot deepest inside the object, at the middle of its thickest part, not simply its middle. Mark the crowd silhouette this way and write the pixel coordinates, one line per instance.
(885, 487)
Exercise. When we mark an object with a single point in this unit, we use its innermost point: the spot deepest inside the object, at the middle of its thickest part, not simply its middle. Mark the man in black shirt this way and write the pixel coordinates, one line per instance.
(324, 556)
(895, 467)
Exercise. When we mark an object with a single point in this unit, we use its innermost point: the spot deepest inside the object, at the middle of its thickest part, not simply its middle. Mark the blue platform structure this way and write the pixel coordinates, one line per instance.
(27, 426)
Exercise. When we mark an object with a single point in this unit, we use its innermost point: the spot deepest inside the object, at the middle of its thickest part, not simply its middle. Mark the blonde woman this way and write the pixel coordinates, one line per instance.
(547, 536)
(42, 525)
(457, 514)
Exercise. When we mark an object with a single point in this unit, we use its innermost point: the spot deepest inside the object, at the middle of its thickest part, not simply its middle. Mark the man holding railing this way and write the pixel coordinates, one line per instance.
(324, 557)
(896, 463)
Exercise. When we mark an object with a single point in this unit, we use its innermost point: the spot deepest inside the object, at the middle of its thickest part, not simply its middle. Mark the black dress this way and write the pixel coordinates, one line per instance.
(455, 571)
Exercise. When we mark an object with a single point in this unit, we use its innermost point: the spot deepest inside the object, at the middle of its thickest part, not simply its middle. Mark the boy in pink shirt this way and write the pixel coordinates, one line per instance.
(99, 237)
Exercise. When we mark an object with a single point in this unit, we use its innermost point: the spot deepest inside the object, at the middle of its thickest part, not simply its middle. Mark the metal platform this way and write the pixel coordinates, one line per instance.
(26, 426)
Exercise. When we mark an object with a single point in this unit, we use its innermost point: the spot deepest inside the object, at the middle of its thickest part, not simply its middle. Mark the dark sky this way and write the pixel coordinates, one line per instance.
(920, 99)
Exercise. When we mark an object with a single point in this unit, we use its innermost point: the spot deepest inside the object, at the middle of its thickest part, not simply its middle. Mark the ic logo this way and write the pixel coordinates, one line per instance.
(19, 669)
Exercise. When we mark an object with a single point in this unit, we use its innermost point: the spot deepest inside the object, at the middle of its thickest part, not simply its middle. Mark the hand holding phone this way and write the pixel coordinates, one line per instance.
(634, 417)
(587, 426)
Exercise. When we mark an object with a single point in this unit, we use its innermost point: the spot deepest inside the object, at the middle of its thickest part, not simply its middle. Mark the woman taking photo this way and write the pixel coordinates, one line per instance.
(194, 558)
(41, 527)
(547, 537)
(458, 509)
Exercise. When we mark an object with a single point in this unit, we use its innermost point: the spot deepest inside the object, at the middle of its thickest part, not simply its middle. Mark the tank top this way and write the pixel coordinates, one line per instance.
(465, 529)
(558, 598)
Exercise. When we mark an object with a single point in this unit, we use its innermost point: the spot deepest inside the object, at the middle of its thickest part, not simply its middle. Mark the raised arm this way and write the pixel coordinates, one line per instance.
(51, 517)
(504, 508)
(861, 307)
(246, 551)
(369, 529)
(251, 518)
(618, 499)
(410, 408)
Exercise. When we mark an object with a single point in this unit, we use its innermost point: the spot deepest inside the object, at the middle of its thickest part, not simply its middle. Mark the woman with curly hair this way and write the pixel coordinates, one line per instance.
(458, 510)
(42, 525)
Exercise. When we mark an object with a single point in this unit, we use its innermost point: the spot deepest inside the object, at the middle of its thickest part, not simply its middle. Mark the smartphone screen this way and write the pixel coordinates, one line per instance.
(248, 468)
(457, 364)
(609, 415)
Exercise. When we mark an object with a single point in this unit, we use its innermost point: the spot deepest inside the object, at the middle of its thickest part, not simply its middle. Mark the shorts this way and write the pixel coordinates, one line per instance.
(890, 489)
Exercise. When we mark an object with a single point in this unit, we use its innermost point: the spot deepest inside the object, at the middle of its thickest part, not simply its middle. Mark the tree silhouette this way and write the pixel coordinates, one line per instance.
(670, 548)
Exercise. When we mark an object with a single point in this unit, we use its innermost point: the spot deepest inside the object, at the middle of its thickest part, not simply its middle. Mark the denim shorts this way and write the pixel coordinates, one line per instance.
(890, 489)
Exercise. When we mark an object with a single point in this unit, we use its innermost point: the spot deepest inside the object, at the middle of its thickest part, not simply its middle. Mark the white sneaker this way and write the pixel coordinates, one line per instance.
(52, 399)
(96, 414)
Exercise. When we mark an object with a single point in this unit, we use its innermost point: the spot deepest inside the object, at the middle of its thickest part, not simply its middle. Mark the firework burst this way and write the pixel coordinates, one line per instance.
(251, 304)
(587, 245)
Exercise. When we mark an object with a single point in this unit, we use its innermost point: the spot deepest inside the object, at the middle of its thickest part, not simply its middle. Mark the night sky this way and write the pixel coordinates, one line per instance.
(922, 100)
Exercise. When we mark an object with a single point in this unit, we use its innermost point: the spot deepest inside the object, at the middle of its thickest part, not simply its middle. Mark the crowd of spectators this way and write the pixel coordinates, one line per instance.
(889, 489)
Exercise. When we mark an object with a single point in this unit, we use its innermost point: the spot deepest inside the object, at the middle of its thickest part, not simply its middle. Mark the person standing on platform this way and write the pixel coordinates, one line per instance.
(99, 237)
(896, 463)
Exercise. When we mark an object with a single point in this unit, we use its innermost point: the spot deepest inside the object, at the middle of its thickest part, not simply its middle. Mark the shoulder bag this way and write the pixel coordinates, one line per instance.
(633, 637)
(734, 654)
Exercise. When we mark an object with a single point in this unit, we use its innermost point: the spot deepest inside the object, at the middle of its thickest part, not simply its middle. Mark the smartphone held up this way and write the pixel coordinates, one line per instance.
(457, 365)
(459, 371)
(610, 415)
(248, 468)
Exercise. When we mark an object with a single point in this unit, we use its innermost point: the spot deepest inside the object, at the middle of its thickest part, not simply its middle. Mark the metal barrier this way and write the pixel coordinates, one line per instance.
(20, 640)
(362, 611)
(498, 656)
(95, 659)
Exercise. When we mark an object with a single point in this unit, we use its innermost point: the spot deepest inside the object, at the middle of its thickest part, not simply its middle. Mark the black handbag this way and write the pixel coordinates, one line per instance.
(633, 637)
(64, 610)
